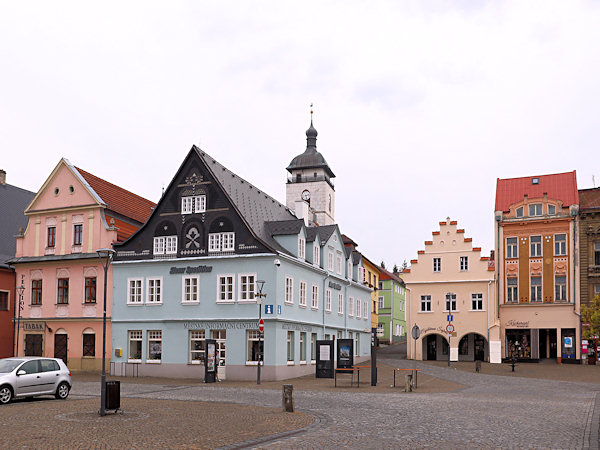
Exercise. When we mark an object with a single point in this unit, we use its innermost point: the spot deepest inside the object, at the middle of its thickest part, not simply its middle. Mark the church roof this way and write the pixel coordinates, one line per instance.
(311, 158)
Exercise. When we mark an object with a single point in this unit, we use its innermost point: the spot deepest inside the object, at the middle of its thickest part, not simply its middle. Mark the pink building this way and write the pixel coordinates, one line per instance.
(73, 214)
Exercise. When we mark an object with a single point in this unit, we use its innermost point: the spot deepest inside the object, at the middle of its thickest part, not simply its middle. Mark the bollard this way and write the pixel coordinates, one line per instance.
(287, 399)
(477, 366)
(408, 382)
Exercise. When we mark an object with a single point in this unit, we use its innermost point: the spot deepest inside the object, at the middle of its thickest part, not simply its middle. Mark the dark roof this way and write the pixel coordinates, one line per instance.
(325, 232)
(311, 158)
(311, 234)
(284, 227)
(356, 257)
(13, 201)
(589, 198)
(348, 251)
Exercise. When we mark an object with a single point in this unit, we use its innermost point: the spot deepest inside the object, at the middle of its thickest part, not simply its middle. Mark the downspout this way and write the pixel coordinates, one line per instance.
(392, 313)
(575, 264)
(497, 262)
(323, 305)
(409, 320)
(488, 317)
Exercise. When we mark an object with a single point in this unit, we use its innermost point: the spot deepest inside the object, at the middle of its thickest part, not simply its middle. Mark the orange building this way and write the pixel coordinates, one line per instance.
(537, 270)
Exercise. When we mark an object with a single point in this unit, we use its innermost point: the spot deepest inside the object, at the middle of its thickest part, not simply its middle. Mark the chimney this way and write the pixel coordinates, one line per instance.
(301, 210)
(2, 177)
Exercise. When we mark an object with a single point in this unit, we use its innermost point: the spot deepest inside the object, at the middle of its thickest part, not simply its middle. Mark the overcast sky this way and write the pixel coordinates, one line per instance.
(420, 105)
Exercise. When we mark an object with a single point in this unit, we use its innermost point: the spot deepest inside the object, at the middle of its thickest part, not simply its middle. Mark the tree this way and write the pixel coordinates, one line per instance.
(395, 270)
(404, 265)
(591, 314)
(382, 264)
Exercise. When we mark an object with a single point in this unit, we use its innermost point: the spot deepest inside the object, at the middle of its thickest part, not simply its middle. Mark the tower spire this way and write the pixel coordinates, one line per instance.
(311, 135)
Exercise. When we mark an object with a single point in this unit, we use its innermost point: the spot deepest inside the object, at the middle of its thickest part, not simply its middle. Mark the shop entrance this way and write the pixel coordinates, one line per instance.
(221, 337)
(472, 347)
(431, 347)
(548, 343)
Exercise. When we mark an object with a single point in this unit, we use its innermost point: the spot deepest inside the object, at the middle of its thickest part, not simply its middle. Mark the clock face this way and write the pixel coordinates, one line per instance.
(305, 195)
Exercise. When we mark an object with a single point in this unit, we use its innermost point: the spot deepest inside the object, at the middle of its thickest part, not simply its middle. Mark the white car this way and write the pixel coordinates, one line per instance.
(29, 376)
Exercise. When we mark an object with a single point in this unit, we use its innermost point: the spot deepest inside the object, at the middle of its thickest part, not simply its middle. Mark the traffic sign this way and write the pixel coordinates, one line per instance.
(416, 332)
(450, 328)
(261, 325)
(450, 317)
(268, 309)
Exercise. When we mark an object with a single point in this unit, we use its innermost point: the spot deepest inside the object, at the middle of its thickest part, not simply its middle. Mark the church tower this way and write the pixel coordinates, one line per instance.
(310, 189)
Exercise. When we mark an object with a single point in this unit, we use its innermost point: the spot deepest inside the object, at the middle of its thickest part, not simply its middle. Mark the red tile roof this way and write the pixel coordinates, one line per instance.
(387, 275)
(558, 186)
(118, 199)
(124, 229)
(589, 198)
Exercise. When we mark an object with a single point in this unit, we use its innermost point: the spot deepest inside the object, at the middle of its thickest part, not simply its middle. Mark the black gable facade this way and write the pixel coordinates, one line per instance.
(206, 210)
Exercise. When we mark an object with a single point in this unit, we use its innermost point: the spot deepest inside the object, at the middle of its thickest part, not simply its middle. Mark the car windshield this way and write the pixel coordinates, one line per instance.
(8, 365)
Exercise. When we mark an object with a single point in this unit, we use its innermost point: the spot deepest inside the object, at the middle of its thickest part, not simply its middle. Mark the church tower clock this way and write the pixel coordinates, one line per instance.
(310, 181)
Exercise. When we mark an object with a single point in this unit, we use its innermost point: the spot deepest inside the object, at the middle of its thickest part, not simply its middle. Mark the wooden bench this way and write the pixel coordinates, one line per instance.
(348, 370)
(406, 370)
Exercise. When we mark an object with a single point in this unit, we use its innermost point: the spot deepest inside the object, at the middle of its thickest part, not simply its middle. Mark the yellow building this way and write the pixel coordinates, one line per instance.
(371, 280)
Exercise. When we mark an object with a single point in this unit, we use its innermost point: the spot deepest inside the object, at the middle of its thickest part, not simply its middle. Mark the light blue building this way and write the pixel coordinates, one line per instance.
(191, 272)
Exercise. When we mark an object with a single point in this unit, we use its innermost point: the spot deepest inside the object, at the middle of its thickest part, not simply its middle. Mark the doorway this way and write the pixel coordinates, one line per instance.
(479, 346)
(431, 347)
(221, 337)
(60, 346)
(33, 344)
(548, 343)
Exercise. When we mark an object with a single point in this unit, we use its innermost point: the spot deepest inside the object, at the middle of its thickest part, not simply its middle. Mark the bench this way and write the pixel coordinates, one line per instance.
(348, 370)
(406, 370)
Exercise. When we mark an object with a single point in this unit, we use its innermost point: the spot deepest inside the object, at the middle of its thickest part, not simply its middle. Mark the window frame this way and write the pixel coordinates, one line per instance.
(450, 302)
(536, 208)
(154, 293)
(36, 300)
(90, 289)
(425, 304)
(477, 302)
(328, 296)
(316, 254)
(4, 302)
(537, 246)
(194, 294)
(290, 347)
(289, 290)
(350, 306)
(51, 237)
(84, 345)
(380, 302)
(512, 249)
(314, 297)
(437, 265)
(301, 247)
(250, 294)
(135, 295)
(464, 263)
(62, 292)
(77, 233)
(302, 347)
(560, 244)
(131, 337)
(229, 288)
(340, 303)
(192, 204)
(357, 311)
(302, 294)
(221, 242)
(563, 289)
(197, 336)
(253, 337)
(536, 295)
(512, 290)
(154, 336)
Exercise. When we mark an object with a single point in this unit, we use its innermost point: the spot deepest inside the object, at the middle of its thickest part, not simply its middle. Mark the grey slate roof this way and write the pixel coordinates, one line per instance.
(311, 158)
(356, 257)
(13, 201)
(284, 227)
(325, 232)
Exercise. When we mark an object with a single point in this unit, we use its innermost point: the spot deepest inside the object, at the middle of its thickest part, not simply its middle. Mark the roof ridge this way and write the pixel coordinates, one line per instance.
(112, 184)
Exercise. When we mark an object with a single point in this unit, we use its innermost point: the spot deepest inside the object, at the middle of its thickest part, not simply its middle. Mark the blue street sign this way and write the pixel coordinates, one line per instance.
(268, 309)
(278, 309)
(450, 317)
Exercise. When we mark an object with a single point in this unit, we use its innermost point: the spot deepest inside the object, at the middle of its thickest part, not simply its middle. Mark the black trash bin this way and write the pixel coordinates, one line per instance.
(113, 394)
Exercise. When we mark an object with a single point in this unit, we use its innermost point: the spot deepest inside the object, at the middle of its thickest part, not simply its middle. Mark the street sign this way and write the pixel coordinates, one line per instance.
(261, 325)
(416, 332)
(278, 309)
(450, 328)
(268, 309)
(450, 318)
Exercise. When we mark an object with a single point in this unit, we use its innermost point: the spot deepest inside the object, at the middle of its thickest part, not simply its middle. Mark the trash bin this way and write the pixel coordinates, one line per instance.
(113, 394)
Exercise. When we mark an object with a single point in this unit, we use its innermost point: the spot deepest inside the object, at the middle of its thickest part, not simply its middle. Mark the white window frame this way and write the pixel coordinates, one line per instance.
(316, 254)
(328, 300)
(512, 290)
(289, 290)
(477, 302)
(350, 306)
(290, 348)
(221, 242)
(252, 336)
(560, 244)
(330, 259)
(437, 265)
(537, 246)
(165, 245)
(301, 248)
(349, 269)
(302, 294)
(135, 336)
(194, 296)
(138, 297)
(562, 294)
(425, 305)
(197, 335)
(340, 303)
(380, 302)
(154, 290)
(512, 248)
(551, 212)
(154, 336)
(243, 281)
(365, 310)
(358, 308)
(338, 263)
(229, 290)
(193, 204)
(450, 301)
(536, 209)
(536, 290)
(314, 297)
(302, 347)
(464, 263)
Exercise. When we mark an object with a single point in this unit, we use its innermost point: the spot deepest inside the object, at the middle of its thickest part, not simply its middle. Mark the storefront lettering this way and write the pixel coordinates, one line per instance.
(220, 325)
(295, 327)
(34, 326)
(336, 286)
(427, 330)
(190, 269)
(518, 324)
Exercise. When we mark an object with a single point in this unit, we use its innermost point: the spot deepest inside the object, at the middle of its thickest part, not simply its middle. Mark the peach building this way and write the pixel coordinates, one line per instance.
(451, 296)
(536, 248)
(73, 214)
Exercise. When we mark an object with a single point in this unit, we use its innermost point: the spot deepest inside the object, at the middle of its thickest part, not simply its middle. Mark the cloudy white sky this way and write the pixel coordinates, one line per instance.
(420, 105)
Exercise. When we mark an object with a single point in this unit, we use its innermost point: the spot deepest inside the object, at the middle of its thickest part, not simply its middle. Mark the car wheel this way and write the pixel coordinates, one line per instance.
(62, 391)
(6, 394)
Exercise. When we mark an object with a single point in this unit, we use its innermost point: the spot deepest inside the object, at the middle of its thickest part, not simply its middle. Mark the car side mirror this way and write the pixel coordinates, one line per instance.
(21, 372)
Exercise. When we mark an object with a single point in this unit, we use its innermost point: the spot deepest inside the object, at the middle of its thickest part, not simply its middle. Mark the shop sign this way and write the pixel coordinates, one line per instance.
(219, 325)
(439, 329)
(34, 326)
(190, 269)
(336, 286)
(517, 324)
(568, 342)
(295, 327)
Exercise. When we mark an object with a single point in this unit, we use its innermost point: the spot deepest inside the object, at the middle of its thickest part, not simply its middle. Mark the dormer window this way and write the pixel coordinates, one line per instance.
(551, 210)
(535, 180)
(193, 204)
(349, 269)
(535, 209)
(520, 211)
(316, 254)
(301, 248)
(165, 245)
(221, 242)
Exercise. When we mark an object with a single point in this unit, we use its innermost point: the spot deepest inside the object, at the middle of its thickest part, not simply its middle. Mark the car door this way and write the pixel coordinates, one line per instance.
(49, 375)
(28, 382)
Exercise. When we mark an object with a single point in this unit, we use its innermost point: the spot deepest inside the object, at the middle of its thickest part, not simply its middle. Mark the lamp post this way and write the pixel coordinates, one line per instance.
(20, 291)
(106, 256)
(259, 297)
(449, 300)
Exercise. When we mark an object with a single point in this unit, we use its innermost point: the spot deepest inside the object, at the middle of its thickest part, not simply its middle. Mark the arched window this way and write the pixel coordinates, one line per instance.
(89, 343)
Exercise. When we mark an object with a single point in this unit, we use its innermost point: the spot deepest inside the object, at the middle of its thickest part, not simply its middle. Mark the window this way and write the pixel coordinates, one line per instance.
(315, 297)
(302, 301)
(351, 307)
(89, 344)
(535, 246)
(134, 291)
(328, 300)
(477, 302)
(290, 346)
(3, 301)
(450, 302)
(380, 302)
(560, 288)
(340, 303)
(247, 287)
(90, 290)
(313, 346)
(512, 247)
(154, 345)
(254, 345)
(48, 365)
(316, 254)
(303, 347)
(190, 289)
(301, 248)
(437, 264)
(512, 294)
(63, 291)
(464, 263)
(366, 310)
(560, 244)
(551, 210)
(154, 290)
(536, 289)
(165, 245)
(425, 303)
(520, 212)
(349, 269)
(77, 234)
(193, 204)
(221, 242)
(597, 253)
(225, 288)
(289, 290)
(356, 343)
(197, 351)
(535, 209)
(36, 292)
(135, 345)
(380, 330)
(358, 308)
(338, 263)
(330, 260)
(51, 237)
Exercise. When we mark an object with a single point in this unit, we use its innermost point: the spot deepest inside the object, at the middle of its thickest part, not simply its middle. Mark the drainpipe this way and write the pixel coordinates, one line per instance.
(323, 305)
(488, 317)
(408, 327)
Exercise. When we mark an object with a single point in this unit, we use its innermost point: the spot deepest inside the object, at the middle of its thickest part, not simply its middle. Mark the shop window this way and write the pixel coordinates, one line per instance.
(303, 347)
(518, 344)
(568, 349)
(197, 349)
(154, 346)
(254, 345)
(290, 347)
(135, 345)
(313, 347)
(463, 346)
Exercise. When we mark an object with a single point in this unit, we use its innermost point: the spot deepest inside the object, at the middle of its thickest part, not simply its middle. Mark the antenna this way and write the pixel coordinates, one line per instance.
(593, 179)
(311, 112)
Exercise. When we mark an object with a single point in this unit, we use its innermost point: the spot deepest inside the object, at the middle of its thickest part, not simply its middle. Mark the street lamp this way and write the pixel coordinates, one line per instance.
(261, 349)
(106, 256)
(20, 291)
(449, 302)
